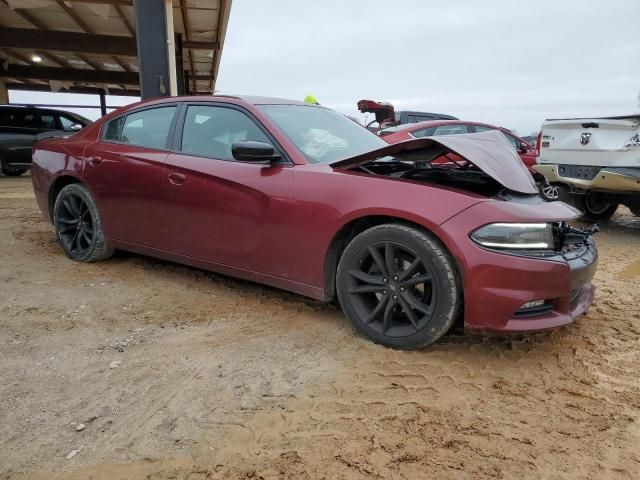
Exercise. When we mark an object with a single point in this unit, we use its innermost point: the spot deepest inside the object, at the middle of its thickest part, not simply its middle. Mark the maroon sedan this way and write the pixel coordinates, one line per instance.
(302, 198)
(432, 128)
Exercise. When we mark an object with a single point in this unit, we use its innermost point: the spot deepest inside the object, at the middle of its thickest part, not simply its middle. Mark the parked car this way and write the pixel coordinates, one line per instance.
(595, 162)
(386, 116)
(526, 152)
(21, 126)
(300, 197)
(401, 133)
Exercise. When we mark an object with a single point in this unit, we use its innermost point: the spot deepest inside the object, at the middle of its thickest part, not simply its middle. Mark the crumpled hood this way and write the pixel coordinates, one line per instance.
(490, 151)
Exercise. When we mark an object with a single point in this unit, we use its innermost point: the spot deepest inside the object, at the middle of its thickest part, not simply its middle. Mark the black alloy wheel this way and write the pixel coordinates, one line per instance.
(392, 289)
(78, 225)
(398, 286)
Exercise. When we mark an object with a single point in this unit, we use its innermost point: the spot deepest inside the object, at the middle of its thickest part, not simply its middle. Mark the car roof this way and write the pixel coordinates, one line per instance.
(250, 99)
(433, 123)
(19, 107)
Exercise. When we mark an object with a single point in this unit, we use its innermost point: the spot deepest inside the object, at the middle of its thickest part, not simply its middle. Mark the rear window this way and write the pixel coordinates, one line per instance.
(113, 129)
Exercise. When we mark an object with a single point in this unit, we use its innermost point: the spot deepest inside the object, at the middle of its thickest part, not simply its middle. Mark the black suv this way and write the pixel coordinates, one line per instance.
(20, 127)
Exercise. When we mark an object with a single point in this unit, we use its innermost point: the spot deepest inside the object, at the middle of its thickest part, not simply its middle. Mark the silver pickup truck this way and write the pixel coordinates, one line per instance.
(594, 162)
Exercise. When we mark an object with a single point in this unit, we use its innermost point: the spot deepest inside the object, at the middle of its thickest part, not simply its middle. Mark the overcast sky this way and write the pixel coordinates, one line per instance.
(508, 63)
(503, 62)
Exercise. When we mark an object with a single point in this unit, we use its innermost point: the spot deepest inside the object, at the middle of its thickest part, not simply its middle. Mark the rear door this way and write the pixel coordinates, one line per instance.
(222, 210)
(124, 170)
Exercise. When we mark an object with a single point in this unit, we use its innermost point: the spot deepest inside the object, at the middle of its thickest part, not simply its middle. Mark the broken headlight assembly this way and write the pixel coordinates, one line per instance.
(515, 236)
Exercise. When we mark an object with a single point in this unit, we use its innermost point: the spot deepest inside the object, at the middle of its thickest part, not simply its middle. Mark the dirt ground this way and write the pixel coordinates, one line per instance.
(177, 373)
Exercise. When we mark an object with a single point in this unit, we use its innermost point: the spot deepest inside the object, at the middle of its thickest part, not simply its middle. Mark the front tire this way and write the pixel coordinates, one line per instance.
(78, 225)
(596, 207)
(398, 286)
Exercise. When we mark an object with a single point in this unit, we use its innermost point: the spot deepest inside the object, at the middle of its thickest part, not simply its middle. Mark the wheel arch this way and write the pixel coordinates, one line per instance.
(56, 186)
(353, 228)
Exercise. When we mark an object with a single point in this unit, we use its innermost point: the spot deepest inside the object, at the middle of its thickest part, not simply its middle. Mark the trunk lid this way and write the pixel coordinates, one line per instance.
(490, 151)
(604, 142)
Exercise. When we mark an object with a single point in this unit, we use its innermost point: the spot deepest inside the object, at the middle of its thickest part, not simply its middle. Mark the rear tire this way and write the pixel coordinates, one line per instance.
(634, 206)
(398, 286)
(78, 225)
(13, 172)
(596, 207)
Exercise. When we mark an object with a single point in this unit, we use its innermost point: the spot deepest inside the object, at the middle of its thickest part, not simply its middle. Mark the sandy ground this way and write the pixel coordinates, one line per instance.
(176, 373)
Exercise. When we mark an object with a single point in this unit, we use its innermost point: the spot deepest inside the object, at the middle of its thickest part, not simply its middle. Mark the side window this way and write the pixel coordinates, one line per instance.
(421, 132)
(210, 131)
(148, 128)
(66, 123)
(450, 129)
(47, 122)
(29, 120)
(512, 140)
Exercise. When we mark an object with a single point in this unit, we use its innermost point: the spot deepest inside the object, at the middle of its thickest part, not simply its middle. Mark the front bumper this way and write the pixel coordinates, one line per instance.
(614, 180)
(497, 284)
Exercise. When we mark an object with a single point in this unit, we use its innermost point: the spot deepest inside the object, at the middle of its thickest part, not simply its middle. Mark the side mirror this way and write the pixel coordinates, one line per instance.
(76, 127)
(250, 151)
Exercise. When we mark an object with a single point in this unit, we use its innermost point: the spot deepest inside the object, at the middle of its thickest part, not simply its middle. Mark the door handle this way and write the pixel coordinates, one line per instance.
(177, 178)
(94, 160)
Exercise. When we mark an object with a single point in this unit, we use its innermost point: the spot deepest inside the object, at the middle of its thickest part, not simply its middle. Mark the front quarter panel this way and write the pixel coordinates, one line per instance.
(497, 284)
(327, 200)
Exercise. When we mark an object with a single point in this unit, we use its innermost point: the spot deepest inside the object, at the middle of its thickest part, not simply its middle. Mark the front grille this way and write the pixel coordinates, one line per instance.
(537, 311)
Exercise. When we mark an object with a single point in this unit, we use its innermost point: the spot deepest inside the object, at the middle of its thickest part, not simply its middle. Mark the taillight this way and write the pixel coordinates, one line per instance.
(538, 142)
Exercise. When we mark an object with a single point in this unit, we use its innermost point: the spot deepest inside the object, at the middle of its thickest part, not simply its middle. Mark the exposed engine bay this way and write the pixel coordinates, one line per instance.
(437, 169)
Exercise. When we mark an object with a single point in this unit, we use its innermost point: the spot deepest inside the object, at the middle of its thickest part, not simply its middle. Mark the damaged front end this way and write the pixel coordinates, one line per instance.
(480, 163)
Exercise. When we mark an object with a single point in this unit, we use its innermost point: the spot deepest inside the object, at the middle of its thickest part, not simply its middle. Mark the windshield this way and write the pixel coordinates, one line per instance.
(322, 135)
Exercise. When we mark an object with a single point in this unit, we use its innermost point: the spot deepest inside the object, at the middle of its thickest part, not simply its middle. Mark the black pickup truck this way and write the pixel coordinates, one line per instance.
(21, 126)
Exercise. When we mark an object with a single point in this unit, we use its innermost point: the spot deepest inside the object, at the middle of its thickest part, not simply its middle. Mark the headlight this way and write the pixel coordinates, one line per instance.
(515, 236)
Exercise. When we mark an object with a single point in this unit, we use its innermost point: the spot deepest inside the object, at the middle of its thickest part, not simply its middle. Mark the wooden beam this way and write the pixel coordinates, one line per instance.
(78, 75)
(76, 18)
(90, 90)
(214, 58)
(105, 2)
(17, 56)
(80, 42)
(69, 74)
(28, 17)
(124, 19)
(187, 32)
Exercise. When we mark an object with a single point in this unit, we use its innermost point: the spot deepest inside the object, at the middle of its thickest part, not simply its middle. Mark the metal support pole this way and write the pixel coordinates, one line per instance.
(153, 58)
(171, 49)
(103, 102)
(179, 69)
(4, 92)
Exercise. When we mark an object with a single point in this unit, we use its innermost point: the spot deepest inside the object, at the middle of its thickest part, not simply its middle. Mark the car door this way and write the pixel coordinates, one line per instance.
(221, 210)
(19, 128)
(124, 170)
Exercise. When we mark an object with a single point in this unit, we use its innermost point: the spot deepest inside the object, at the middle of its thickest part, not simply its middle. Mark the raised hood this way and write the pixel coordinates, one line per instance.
(490, 151)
